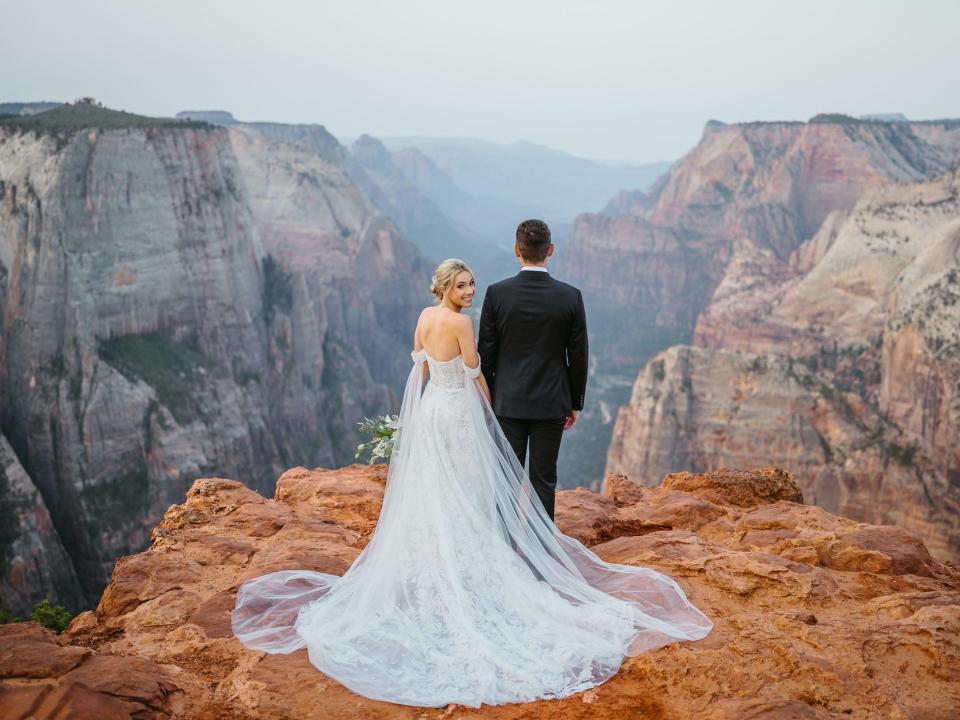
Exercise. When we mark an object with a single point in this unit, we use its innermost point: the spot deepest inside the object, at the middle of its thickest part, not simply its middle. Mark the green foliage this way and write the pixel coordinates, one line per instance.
(836, 118)
(277, 288)
(903, 455)
(758, 364)
(659, 372)
(87, 113)
(56, 366)
(245, 377)
(6, 617)
(116, 501)
(54, 617)
(172, 368)
(382, 430)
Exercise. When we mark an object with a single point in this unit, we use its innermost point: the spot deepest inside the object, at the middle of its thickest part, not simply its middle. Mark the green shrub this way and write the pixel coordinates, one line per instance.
(903, 454)
(6, 617)
(277, 288)
(54, 617)
(117, 501)
(174, 369)
(83, 114)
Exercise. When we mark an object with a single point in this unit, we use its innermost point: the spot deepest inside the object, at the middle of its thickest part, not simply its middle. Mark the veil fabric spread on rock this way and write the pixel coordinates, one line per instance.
(467, 592)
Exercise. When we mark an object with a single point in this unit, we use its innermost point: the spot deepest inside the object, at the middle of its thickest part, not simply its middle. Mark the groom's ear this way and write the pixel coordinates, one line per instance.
(516, 251)
(550, 250)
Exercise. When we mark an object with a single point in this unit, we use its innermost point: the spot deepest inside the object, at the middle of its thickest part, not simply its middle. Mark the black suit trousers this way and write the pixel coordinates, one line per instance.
(543, 438)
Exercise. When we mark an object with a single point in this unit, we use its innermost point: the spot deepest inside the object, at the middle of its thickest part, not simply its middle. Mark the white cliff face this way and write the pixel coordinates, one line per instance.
(920, 378)
(178, 301)
(361, 281)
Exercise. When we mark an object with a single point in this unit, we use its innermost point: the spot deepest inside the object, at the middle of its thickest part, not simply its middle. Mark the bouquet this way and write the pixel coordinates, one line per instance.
(382, 430)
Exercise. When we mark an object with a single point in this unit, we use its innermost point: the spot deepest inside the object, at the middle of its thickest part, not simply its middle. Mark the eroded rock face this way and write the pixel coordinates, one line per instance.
(33, 560)
(177, 301)
(815, 615)
(744, 230)
(704, 409)
(380, 177)
(843, 364)
(655, 260)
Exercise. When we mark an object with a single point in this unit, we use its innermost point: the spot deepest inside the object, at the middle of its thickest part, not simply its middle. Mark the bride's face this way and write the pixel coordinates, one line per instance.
(462, 291)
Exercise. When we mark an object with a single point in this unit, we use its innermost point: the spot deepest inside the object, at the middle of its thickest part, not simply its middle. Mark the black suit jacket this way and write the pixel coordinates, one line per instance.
(533, 346)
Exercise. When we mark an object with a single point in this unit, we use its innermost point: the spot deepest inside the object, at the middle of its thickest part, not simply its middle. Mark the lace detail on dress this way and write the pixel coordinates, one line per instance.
(446, 374)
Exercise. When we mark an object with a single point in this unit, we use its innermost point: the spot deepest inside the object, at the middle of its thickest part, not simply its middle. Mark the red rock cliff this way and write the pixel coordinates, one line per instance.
(815, 616)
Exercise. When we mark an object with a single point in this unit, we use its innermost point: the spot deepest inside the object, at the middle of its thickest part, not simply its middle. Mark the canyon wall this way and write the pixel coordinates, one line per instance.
(649, 263)
(840, 362)
(178, 299)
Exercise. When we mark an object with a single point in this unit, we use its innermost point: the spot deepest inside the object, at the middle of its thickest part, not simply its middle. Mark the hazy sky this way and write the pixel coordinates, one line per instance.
(630, 80)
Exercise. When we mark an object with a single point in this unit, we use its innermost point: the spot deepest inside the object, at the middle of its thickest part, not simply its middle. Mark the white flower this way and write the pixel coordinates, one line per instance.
(382, 430)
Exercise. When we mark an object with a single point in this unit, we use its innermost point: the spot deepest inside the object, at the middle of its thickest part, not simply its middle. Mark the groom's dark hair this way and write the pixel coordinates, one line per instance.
(533, 240)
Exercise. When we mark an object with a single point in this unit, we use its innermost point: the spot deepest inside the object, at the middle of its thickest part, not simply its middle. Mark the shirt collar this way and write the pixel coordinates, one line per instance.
(535, 268)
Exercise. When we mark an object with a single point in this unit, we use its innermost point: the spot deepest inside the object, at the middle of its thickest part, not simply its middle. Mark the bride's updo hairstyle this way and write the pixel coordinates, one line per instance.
(445, 274)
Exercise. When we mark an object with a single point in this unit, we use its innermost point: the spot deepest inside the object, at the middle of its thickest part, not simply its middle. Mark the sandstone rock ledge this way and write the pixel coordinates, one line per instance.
(815, 616)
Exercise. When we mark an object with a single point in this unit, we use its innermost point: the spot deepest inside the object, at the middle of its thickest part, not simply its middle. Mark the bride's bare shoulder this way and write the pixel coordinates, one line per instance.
(426, 315)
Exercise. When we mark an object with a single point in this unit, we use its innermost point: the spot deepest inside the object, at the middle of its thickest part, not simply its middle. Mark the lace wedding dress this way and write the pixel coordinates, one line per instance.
(467, 592)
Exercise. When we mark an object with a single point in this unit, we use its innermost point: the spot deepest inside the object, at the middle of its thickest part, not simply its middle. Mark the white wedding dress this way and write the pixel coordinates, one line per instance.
(467, 592)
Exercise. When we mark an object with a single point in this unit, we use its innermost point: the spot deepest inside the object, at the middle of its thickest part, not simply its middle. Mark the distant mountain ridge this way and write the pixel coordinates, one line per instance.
(535, 179)
(26, 108)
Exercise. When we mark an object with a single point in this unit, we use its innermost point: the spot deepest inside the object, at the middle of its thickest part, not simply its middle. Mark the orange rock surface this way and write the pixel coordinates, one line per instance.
(816, 616)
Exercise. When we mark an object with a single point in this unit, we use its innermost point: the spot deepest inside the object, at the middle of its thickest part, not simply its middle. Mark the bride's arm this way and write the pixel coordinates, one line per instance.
(482, 381)
(468, 350)
(418, 343)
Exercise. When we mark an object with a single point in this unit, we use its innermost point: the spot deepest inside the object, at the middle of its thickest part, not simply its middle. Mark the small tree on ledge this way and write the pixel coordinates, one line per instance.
(50, 616)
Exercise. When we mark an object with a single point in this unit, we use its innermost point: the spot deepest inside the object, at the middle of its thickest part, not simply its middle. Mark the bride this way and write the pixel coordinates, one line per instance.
(467, 592)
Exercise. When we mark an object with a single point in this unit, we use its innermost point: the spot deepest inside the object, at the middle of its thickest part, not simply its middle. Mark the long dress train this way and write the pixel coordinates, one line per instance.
(467, 592)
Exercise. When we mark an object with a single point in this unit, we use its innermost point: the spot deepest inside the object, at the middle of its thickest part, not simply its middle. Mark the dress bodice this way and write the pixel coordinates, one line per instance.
(446, 374)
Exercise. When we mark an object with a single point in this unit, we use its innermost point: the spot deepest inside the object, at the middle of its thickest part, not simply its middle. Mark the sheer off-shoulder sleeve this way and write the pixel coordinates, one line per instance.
(473, 373)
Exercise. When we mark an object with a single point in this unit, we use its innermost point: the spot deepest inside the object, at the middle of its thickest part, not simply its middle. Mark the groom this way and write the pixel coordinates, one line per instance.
(533, 350)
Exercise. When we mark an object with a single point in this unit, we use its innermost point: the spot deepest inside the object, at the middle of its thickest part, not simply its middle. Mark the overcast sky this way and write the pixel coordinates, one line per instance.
(628, 80)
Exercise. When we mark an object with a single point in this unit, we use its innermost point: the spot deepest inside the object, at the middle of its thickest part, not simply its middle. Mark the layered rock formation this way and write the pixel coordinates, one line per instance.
(177, 299)
(382, 179)
(771, 184)
(652, 261)
(815, 616)
(700, 409)
(841, 363)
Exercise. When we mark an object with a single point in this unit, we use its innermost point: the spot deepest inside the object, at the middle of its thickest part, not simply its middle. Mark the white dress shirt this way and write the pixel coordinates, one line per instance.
(537, 268)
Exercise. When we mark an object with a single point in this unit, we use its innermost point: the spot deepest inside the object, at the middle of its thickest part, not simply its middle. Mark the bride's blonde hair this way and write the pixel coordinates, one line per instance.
(445, 274)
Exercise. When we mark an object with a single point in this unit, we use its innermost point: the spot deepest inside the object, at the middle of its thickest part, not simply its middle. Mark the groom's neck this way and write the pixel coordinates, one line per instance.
(527, 263)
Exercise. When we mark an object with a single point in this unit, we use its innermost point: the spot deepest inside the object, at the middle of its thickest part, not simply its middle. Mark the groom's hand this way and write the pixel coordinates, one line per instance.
(571, 419)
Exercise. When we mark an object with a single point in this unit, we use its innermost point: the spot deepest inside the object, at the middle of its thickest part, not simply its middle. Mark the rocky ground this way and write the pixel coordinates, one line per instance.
(816, 616)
